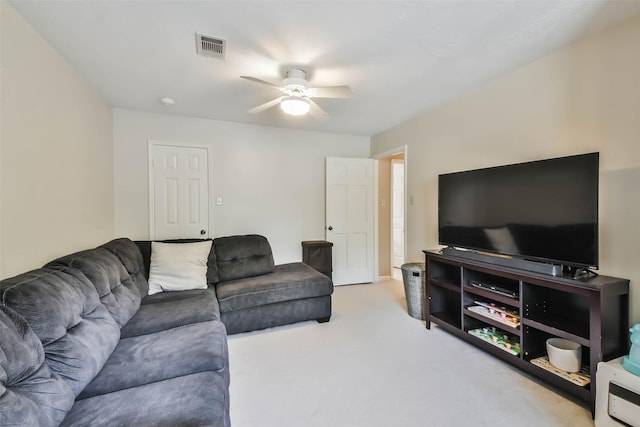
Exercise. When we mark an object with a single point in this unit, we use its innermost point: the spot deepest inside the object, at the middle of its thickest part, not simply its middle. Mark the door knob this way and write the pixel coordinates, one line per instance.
(203, 232)
(330, 228)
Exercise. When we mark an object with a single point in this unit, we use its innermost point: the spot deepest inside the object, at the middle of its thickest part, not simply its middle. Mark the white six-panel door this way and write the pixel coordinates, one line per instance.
(178, 192)
(350, 218)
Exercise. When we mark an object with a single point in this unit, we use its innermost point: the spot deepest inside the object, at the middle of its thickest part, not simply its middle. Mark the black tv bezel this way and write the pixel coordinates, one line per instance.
(534, 258)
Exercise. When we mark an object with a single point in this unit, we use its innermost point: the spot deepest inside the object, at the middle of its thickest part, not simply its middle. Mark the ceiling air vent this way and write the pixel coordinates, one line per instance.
(211, 46)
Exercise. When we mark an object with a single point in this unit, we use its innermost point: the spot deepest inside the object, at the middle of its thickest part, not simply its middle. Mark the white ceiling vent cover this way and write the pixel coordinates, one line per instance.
(211, 46)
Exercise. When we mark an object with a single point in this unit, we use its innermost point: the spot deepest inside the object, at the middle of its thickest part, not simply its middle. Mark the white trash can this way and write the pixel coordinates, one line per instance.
(413, 276)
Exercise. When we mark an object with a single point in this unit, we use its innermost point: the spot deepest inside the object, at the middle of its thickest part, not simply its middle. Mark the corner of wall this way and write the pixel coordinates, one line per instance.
(57, 172)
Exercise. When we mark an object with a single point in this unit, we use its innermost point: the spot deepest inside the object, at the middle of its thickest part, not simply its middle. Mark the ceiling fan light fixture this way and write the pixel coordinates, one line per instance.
(167, 102)
(295, 105)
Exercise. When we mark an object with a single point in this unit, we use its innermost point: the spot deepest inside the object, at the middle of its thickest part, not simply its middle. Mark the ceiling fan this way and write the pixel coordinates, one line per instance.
(297, 99)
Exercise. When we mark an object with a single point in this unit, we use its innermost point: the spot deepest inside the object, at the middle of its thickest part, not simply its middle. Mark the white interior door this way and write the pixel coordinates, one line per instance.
(350, 218)
(179, 192)
(397, 212)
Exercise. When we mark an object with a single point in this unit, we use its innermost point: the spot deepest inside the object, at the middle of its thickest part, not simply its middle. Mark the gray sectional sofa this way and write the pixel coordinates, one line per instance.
(83, 344)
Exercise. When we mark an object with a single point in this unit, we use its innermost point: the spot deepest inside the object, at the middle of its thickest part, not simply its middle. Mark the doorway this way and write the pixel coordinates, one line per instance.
(397, 215)
(391, 213)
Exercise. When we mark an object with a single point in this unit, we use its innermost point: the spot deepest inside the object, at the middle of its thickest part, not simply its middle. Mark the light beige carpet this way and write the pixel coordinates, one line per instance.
(373, 365)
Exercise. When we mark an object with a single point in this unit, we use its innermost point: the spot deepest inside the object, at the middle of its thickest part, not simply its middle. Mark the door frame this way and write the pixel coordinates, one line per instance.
(388, 153)
(151, 145)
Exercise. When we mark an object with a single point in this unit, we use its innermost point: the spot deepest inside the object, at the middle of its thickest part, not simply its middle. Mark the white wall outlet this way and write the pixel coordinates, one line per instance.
(218, 201)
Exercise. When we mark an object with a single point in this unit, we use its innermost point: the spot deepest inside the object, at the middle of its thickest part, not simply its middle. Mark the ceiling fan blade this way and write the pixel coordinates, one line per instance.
(331, 92)
(316, 112)
(266, 105)
(264, 82)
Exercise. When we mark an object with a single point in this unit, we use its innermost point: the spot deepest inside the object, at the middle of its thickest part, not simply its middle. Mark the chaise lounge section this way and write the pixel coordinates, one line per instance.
(254, 293)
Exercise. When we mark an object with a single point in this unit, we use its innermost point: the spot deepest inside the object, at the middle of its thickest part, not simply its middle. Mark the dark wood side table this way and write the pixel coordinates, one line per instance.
(317, 253)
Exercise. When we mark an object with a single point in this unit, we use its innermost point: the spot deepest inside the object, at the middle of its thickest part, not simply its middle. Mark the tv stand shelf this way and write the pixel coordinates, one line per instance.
(592, 311)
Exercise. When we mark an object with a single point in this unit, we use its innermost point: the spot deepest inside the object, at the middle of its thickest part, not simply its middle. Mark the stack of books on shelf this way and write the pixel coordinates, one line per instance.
(498, 338)
(503, 315)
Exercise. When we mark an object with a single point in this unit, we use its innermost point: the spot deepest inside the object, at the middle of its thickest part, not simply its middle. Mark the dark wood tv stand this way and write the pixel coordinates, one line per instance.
(593, 312)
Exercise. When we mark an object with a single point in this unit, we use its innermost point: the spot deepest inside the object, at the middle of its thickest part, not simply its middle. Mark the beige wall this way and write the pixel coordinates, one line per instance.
(271, 180)
(580, 99)
(56, 173)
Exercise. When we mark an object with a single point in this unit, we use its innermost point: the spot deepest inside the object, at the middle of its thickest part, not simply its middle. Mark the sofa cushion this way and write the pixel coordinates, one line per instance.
(168, 310)
(77, 332)
(163, 355)
(117, 290)
(243, 256)
(291, 281)
(200, 399)
(212, 266)
(276, 314)
(30, 395)
(178, 266)
(130, 256)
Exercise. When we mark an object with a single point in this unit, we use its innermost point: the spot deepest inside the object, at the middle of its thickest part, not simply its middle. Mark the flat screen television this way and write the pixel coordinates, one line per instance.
(544, 210)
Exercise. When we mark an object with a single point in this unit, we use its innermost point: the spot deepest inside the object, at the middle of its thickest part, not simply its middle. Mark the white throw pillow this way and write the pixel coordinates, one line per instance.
(178, 266)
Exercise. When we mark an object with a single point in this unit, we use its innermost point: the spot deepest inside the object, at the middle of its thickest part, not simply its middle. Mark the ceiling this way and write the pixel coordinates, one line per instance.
(400, 58)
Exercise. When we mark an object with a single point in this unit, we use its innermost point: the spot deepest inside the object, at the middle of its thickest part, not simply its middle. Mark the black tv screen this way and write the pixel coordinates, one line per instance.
(545, 210)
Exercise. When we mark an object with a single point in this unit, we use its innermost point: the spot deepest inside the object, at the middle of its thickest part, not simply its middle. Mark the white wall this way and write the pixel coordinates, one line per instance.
(56, 175)
(580, 99)
(271, 179)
